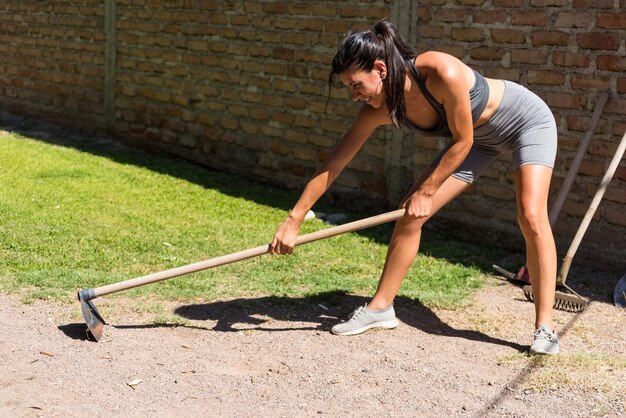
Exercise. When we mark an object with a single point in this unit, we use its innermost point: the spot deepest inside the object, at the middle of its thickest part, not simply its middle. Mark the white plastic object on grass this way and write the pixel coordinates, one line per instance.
(620, 293)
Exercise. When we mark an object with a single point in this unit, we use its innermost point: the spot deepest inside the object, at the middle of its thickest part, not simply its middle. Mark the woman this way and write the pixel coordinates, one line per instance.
(437, 95)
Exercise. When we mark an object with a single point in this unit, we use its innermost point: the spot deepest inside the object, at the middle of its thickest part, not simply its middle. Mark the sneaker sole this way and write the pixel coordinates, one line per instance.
(381, 324)
(543, 352)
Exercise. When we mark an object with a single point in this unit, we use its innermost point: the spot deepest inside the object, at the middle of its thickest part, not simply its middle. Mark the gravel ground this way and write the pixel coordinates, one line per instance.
(273, 356)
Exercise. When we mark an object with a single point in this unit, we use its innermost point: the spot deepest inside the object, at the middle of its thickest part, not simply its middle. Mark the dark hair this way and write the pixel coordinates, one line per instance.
(359, 50)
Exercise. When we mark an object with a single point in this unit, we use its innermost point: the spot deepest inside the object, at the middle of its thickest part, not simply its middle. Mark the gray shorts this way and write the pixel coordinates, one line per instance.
(522, 124)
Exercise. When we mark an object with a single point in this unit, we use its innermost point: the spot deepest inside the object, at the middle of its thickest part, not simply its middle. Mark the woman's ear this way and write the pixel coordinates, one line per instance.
(379, 65)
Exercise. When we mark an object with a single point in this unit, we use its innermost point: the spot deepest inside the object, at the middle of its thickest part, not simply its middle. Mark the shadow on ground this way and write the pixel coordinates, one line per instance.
(317, 312)
(322, 311)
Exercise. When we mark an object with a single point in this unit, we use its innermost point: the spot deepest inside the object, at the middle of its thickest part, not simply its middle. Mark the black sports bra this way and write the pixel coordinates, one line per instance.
(479, 95)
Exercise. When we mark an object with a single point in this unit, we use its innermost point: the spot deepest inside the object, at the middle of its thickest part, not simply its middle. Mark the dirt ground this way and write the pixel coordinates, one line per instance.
(273, 356)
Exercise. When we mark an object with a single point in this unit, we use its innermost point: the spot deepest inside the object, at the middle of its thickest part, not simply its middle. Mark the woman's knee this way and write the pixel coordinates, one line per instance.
(533, 220)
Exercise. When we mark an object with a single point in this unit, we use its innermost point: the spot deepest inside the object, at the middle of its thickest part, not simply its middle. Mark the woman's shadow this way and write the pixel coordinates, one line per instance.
(322, 311)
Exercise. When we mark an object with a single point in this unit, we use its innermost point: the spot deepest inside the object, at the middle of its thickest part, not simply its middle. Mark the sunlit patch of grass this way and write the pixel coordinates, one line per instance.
(97, 213)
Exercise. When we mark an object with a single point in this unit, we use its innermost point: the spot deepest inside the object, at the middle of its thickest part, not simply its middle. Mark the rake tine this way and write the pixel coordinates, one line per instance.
(564, 301)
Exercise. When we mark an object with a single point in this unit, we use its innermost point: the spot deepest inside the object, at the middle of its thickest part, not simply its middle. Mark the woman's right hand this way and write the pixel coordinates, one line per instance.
(285, 237)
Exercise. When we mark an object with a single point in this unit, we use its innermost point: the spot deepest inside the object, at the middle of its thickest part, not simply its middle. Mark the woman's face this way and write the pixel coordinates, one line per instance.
(364, 86)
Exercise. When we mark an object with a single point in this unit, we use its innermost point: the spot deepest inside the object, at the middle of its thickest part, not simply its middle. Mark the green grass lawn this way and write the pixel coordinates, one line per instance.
(85, 214)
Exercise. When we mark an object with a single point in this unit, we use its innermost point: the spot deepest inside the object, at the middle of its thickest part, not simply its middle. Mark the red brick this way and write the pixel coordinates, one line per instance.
(586, 82)
(484, 16)
(336, 26)
(549, 38)
(529, 56)
(611, 63)
(621, 85)
(305, 154)
(470, 2)
(467, 34)
(286, 23)
(592, 168)
(593, 4)
(543, 3)
(508, 3)
(546, 77)
(435, 32)
(616, 194)
(574, 20)
(512, 74)
(619, 128)
(604, 148)
(452, 15)
(596, 40)
(508, 36)
(327, 9)
(566, 100)
(273, 68)
(616, 105)
(454, 50)
(487, 53)
(616, 216)
(570, 59)
(377, 12)
(333, 126)
(278, 8)
(611, 20)
(530, 18)
(302, 9)
(301, 138)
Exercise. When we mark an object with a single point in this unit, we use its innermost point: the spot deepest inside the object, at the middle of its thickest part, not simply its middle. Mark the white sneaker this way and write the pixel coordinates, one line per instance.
(546, 341)
(364, 318)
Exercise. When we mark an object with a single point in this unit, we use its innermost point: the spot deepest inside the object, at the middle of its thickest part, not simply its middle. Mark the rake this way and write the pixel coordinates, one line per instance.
(95, 322)
(570, 300)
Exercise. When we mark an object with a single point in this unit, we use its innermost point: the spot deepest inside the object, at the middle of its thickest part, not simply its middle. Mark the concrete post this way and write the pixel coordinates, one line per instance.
(110, 56)
(399, 146)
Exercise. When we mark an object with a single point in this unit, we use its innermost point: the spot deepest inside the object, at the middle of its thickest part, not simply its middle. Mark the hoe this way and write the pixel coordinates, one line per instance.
(95, 322)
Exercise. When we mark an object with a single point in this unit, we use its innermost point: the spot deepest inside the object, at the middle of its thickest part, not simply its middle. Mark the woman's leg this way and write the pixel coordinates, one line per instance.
(532, 186)
(405, 243)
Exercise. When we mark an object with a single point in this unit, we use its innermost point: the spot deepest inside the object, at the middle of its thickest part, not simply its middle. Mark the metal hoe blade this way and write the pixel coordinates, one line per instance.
(93, 319)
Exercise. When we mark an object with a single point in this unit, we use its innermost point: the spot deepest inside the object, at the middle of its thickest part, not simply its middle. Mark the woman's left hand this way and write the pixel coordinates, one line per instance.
(418, 205)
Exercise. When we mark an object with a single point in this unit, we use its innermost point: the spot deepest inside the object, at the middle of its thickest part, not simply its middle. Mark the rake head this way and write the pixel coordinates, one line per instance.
(569, 301)
(93, 319)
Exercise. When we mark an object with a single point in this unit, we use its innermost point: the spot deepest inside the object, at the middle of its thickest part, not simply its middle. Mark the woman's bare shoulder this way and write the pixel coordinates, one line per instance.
(436, 62)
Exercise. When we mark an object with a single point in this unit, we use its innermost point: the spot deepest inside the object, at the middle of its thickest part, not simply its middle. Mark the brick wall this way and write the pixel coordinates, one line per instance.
(241, 86)
(52, 60)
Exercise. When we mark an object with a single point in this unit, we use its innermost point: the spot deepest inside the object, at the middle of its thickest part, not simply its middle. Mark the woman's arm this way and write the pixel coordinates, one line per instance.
(447, 82)
(366, 121)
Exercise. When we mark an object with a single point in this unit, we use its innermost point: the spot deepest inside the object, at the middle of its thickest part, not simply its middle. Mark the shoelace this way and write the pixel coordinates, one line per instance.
(358, 311)
(547, 335)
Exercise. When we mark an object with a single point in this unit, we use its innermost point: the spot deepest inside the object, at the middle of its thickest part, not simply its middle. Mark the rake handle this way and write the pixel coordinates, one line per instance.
(88, 294)
(595, 202)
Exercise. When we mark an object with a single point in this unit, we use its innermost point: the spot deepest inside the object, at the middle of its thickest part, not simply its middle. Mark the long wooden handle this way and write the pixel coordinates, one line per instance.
(582, 149)
(242, 255)
(567, 261)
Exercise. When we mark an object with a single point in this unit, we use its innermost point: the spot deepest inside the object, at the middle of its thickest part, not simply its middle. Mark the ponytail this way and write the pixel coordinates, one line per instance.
(360, 50)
